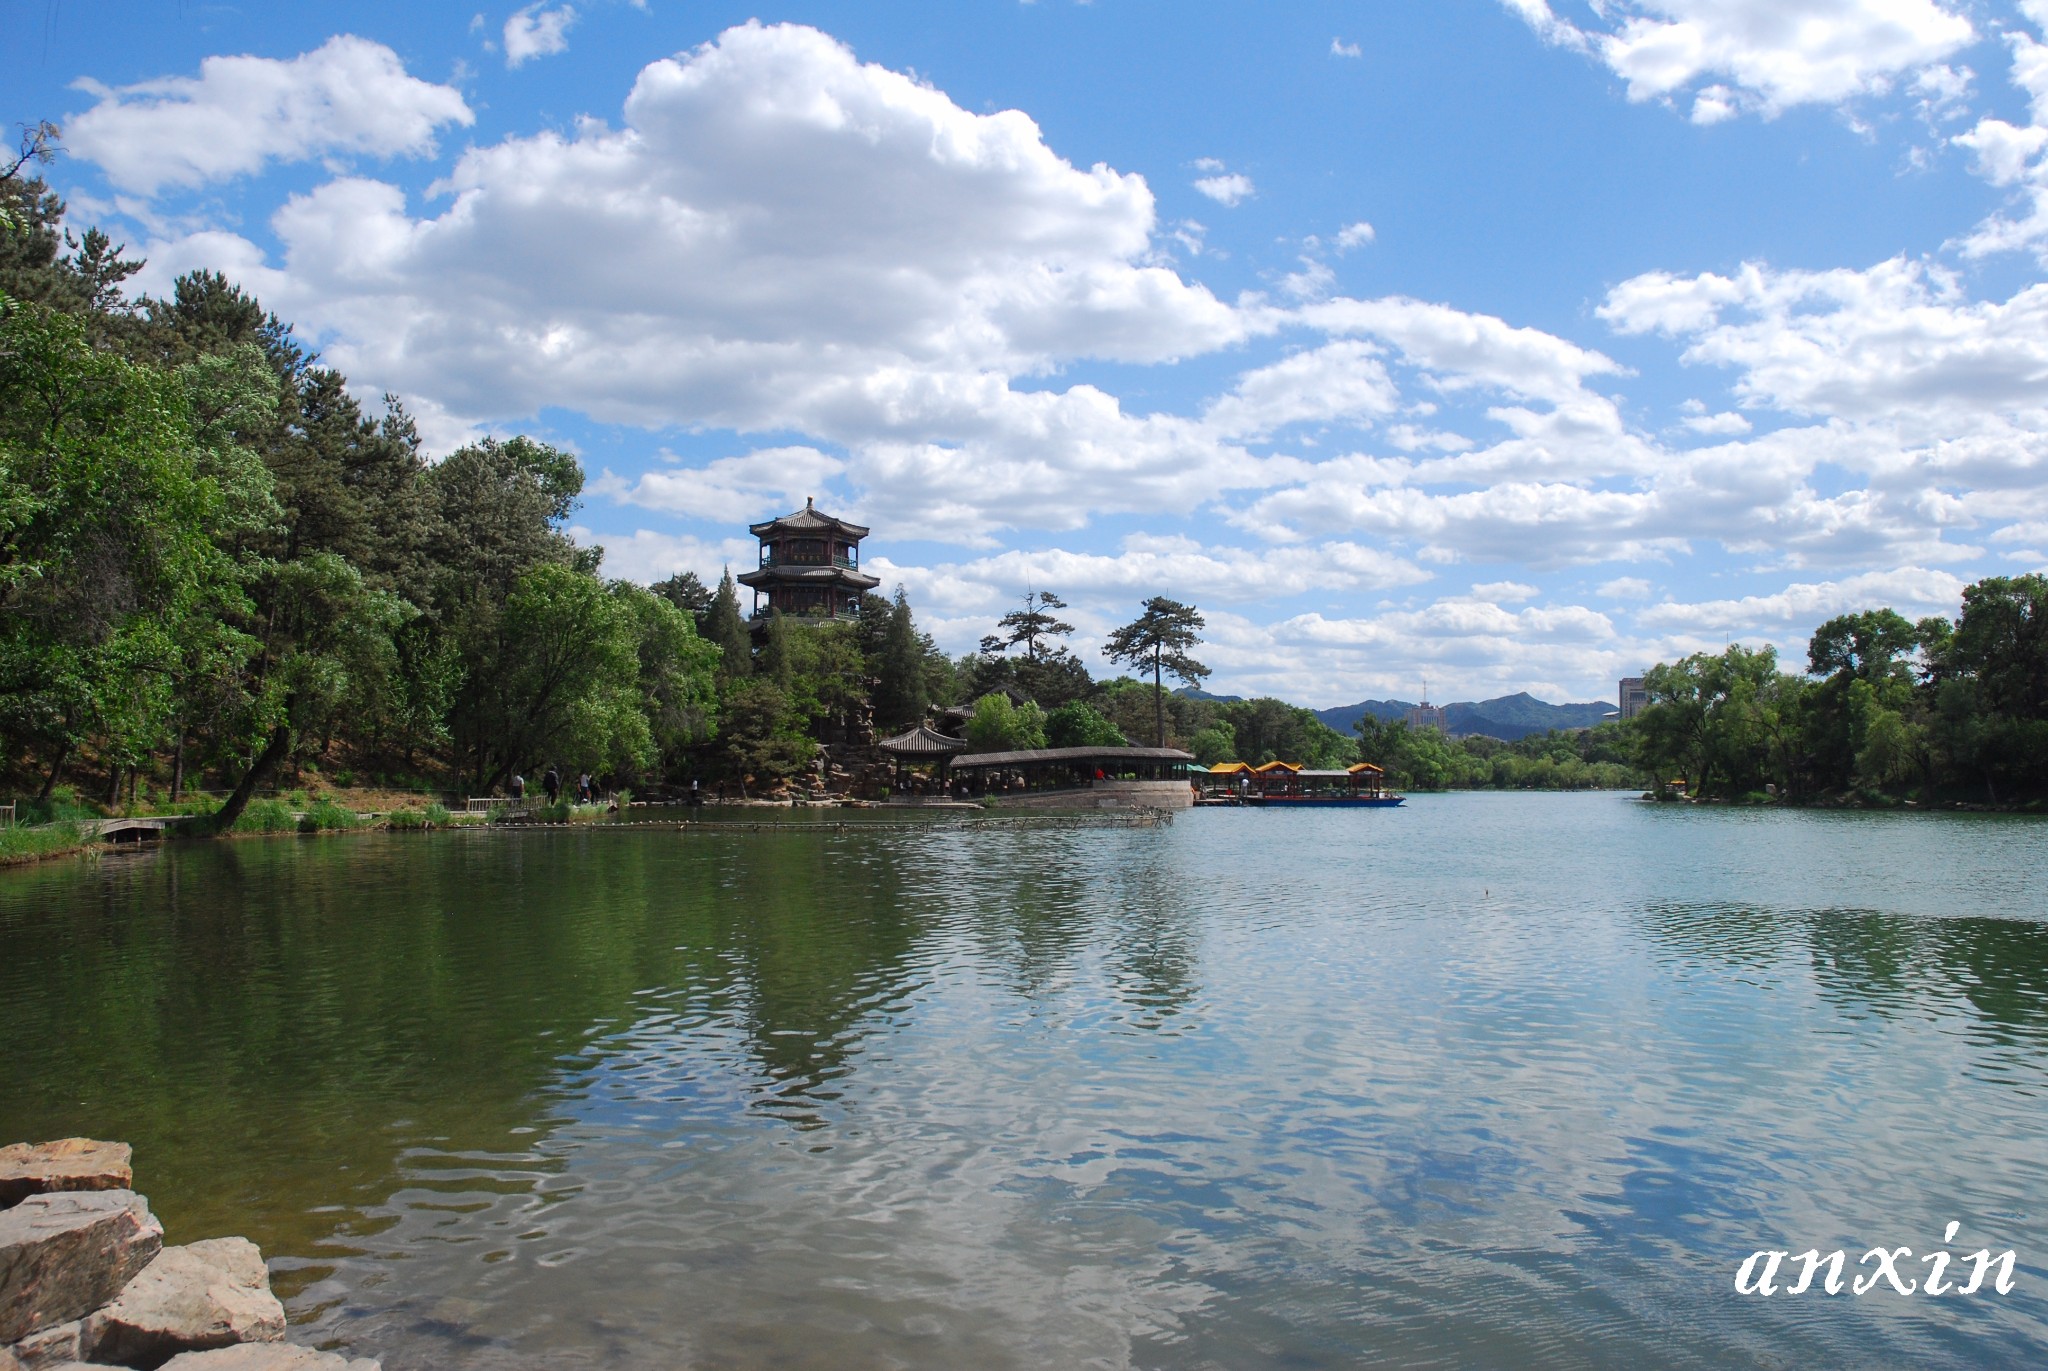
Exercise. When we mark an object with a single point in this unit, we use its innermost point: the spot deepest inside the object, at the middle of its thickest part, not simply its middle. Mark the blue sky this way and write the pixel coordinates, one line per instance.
(1511, 344)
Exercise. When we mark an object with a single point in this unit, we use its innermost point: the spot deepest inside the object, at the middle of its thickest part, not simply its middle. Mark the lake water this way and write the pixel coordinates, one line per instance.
(1488, 1081)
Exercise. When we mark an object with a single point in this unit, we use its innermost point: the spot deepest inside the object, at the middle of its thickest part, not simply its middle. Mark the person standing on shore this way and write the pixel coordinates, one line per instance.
(518, 786)
(552, 784)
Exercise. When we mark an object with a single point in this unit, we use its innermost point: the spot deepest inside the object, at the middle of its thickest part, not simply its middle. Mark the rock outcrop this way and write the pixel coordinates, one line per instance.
(208, 1294)
(86, 1281)
(67, 1164)
(65, 1254)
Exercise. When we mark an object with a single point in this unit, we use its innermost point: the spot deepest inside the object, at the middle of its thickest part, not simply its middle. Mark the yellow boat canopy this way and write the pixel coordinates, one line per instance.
(1270, 767)
(1228, 768)
(1366, 766)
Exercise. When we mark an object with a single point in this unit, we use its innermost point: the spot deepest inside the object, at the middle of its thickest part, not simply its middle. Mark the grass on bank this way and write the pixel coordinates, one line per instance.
(25, 843)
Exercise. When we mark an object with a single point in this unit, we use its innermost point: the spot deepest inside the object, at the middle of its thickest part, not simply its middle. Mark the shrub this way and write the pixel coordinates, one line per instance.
(437, 815)
(266, 816)
(327, 816)
(405, 820)
(63, 806)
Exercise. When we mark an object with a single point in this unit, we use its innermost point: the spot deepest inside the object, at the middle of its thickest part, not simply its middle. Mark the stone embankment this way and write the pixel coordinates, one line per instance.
(86, 1281)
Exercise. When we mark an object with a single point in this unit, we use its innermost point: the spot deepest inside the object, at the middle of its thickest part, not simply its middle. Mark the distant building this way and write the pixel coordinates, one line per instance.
(1427, 715)
(1634, 699)
(810, 567)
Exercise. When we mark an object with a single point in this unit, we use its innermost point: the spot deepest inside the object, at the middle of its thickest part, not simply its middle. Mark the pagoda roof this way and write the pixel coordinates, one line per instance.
(921, 742)
(786, 573)
(808, 520)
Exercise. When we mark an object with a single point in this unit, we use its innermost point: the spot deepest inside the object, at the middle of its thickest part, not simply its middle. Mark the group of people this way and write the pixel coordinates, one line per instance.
(551, 786)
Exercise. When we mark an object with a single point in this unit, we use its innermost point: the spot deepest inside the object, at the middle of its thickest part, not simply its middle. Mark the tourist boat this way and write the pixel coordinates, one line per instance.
(1288, 785)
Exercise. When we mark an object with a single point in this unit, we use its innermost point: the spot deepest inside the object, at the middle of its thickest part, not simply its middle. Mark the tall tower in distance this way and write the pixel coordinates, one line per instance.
(1427, 715)
(1634, 699)
(810, 567)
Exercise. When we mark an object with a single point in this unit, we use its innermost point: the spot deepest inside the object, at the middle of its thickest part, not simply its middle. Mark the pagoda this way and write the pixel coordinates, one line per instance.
(810, 567)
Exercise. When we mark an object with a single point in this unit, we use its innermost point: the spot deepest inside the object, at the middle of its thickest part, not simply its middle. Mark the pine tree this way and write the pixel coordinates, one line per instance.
(724, 628)
(1159, 638)
(900, 691)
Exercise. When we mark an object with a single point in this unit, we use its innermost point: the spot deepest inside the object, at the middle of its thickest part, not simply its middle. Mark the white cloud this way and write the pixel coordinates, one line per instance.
(1504, 592)
(795, 242)
(1340, 48)
(1227, 190)
(1356, 235)
(537, 32)
(1722, 424)
(1769, 54)
(731, 490)
(1148, 564)
(348, 96)
(1895, 342)
(1625, 588)
(2003, 151)
(1803, 605)
(648, 555)
(1340, 380)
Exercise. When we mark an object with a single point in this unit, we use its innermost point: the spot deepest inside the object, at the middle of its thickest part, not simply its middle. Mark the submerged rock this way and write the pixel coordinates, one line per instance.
(204, 1295)
(268, 1356)
(66, 1164)
(64, 1255)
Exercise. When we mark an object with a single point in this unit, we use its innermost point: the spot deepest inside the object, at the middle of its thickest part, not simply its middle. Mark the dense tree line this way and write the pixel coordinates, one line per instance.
(215, 564)
(1887, 709)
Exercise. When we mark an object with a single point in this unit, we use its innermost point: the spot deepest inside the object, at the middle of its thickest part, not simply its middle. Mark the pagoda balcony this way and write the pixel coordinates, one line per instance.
(768, 559)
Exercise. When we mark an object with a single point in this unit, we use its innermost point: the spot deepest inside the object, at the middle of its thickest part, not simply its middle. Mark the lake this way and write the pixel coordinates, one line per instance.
(1486, 1081)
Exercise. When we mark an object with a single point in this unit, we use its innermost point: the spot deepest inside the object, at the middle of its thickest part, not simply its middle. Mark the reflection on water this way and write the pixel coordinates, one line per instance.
(1487, 1081)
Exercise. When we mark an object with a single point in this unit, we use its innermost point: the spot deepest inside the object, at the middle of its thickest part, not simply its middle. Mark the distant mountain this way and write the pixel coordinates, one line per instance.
(1508, 718)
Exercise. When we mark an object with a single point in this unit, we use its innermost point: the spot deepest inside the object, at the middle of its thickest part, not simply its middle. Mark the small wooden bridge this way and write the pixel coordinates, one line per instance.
(144, 830)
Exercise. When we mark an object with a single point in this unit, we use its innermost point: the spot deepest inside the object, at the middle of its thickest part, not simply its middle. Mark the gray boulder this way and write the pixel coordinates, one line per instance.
(268, 1356)
(49, 1347)
(66, 1164)
(64, 1255)
(203, 1295)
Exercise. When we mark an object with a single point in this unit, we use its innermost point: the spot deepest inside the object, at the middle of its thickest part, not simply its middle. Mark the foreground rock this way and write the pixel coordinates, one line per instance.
(56, 1346)
(86, 1282)
(67, 1164)
(64, 1255)
(205, 1295)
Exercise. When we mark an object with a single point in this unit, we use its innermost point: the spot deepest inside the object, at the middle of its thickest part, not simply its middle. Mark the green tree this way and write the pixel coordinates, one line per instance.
(563, 681)
(1001, 726)
(110, 573)
(1160, 638)
(728, 632)
(678, 673)
(689, 594)
(1075, 724)
(902, 685)
(1034, 626)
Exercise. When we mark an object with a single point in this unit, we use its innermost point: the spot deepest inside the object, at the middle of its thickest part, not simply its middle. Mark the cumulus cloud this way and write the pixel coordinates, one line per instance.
(1804, 604)
(1769, 54)
(1896, 341)
(1356, 235)
(732, 490)
(1227, 189)
(794, 241)
(1341, 380)
(348, 96)
(537, 32)
(1340, 48)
